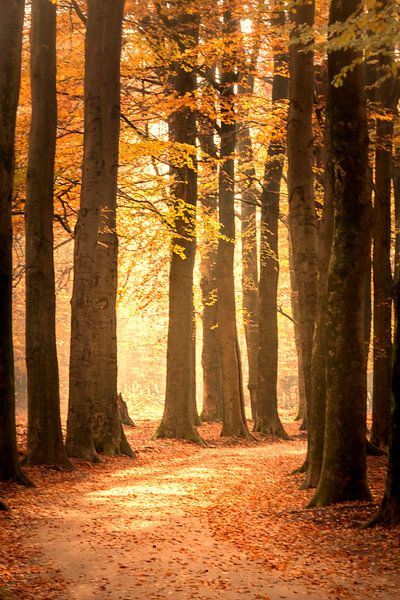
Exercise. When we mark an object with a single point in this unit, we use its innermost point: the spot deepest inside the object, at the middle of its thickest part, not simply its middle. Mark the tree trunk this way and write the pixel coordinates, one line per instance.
(267, 418)
(382, 347)
(234, 423)
(389, 513)
(45, 441)
(93, 421)
(10, 66)
(396, 194)
(343, 475)
(249, 258)
(210, 357)
(302, 217)
(317, 414)
(177, 421)
(302, 408)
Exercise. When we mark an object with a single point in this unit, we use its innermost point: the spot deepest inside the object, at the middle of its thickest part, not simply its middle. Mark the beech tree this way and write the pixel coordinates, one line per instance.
(343, 474)
(45, 441)
(177, 421)
(234, 422)
(267, 417)
(93, 421)
(11, 23)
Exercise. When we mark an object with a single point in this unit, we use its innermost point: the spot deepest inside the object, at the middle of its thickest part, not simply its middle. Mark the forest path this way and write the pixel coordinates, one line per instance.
(143, 533)
(223, 522)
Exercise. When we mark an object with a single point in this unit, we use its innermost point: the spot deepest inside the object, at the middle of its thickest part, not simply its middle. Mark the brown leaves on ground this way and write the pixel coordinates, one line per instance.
(180, 521)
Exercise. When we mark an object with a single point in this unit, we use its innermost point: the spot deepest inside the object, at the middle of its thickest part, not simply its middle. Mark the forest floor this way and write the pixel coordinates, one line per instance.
(222, 522)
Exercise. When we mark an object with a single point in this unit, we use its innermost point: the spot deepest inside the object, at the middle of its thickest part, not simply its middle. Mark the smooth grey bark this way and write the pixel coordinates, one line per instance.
(93, 421)
(45, 440)
(11, 23)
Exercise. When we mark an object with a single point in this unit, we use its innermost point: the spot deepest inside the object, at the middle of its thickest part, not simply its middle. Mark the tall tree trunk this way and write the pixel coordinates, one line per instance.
(396, 194)
(389, 512)
(45, 441)
(177, 421)
(317, 414)
(382, 346)
(343, 475)
(93, 421)
(302, 216)
(249, 258)
(234, 423)
(267, 418)
(302, 408)
(11, 22)
(210, 357)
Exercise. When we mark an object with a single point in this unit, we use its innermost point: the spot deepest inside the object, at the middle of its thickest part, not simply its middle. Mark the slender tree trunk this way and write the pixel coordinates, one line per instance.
(249, 258)
(210, 357)
(343, 475)
(302, 408)
(382, 348)
(194, 412)
(302, 217)
(234, 423)
(11, 22)
(319, 356)
(389, 512)
(93, 421)
(396, 194)
(45, 441)
(267, 418)
(177, 421)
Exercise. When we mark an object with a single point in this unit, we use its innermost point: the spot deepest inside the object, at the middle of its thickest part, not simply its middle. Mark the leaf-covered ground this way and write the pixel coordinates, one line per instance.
(225, 522)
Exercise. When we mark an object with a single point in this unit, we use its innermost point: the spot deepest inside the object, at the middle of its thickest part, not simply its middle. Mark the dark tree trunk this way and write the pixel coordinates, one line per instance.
(301, 411)
(249, 258)
(11, 23)
(177, 421)
(316, 417)
(234, 423)
(389, 513)
(45, 441)
(343, 475)
(302, 216)
(210, 357)
(396, 194)
(193, 372)
(382, 347)
(267, 418)
(93, 420)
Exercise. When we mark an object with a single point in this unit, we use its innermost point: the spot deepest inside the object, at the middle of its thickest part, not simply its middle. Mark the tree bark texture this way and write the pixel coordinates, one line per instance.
(302, 216)
(11, 22)
(45, 441)
(210, 357)
(302, 408)
(178, 421)
(93, 421)
(267, 417)
(389, 513)
(343, 475)
(382, 273)
(234, 423)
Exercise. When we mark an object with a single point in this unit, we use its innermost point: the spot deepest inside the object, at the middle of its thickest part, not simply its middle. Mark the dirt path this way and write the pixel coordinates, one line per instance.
(182, 522)
(146, 536)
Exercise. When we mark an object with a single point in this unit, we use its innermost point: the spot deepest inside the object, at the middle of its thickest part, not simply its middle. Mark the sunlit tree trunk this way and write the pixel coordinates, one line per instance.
(382, 343)
(267, 417)
(45, 442)
(210, 357)
(234, 423)
(11, 22)
(343, 475)
(93, 421)
(302, 217)
(178, 421)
